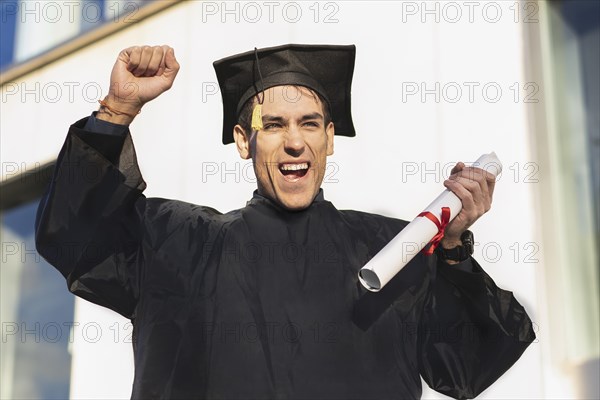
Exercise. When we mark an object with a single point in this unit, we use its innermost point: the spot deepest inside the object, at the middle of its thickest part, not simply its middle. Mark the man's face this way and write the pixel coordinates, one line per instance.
(291, 150)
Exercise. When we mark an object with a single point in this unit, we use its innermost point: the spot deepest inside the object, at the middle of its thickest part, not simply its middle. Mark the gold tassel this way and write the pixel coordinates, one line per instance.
(257, 124)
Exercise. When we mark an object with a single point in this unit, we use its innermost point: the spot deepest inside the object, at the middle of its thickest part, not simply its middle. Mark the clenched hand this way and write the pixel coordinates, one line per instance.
(140, 74)
(475, 188)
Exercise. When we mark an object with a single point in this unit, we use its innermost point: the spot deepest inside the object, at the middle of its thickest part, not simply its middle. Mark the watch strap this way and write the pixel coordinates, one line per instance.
(458, 253)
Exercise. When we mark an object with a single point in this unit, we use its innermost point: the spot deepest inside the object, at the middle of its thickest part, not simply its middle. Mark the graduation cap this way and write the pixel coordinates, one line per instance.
(326, 69)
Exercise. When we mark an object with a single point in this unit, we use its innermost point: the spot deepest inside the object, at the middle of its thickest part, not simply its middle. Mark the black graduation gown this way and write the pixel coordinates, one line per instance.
(262, 303)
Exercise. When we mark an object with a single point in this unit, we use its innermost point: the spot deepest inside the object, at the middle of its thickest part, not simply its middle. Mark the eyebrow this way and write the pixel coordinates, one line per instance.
(314, 115)
(273, 118)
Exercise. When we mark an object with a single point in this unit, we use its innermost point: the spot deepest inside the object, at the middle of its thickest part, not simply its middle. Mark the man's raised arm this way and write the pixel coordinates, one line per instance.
(90, 220)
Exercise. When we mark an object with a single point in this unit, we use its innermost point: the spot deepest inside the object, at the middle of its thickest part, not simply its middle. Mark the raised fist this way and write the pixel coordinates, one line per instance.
(140, 74)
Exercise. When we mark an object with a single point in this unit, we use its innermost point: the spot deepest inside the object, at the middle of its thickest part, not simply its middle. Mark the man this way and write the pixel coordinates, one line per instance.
(264, 302)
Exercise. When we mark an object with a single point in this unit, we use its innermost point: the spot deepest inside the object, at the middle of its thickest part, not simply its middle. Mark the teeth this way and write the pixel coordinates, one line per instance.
(294, 167)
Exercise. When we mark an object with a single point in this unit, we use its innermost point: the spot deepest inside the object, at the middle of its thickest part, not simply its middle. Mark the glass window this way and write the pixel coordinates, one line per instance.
(36, 312)
(32, 27)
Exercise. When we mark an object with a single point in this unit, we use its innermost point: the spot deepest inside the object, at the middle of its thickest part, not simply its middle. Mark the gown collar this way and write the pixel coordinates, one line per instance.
(256, 197)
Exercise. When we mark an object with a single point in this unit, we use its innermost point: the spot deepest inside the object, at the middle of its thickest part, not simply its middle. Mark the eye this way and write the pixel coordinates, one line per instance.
(271, 126)
(312, 124)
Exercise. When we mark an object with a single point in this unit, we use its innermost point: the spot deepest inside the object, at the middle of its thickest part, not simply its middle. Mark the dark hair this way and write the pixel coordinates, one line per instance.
(245, 117)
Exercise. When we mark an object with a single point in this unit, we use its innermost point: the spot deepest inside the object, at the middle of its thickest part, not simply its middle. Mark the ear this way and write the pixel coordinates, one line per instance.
(241, 141)
(330, 132)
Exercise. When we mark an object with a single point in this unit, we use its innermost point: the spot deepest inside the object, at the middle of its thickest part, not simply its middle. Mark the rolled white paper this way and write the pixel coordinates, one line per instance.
(417, 234)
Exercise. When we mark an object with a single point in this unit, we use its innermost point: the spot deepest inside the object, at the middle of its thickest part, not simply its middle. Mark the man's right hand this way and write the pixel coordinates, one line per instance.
(140, 74)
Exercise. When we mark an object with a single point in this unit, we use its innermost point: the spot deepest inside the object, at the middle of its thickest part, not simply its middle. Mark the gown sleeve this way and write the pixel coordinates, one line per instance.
(89, 221)
(471, 331)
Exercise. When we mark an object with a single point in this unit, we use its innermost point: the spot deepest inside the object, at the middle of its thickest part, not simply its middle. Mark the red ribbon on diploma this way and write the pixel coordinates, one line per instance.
(441, 225)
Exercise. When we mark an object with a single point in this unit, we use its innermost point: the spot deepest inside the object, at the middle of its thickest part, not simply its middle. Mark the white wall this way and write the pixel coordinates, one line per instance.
(178, 136)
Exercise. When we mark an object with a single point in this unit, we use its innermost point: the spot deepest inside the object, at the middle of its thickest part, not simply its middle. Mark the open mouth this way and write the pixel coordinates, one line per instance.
(294, 171)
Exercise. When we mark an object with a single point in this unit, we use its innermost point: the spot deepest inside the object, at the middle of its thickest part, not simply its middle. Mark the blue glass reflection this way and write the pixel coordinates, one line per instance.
(41, 314)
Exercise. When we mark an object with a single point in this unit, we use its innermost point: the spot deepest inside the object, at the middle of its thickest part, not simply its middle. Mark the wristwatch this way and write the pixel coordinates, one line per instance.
(458, 253)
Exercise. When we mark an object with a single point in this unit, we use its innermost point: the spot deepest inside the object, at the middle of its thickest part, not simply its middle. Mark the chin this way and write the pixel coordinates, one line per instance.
(296, 203)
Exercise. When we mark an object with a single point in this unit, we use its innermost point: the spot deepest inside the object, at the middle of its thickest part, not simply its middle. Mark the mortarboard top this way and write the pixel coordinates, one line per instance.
(327, 69)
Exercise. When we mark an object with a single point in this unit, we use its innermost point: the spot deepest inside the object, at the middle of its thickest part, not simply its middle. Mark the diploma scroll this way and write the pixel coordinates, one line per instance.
(417, 234)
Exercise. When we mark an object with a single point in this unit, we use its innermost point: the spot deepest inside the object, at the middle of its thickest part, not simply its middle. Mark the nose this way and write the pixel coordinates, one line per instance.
(294, 142)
